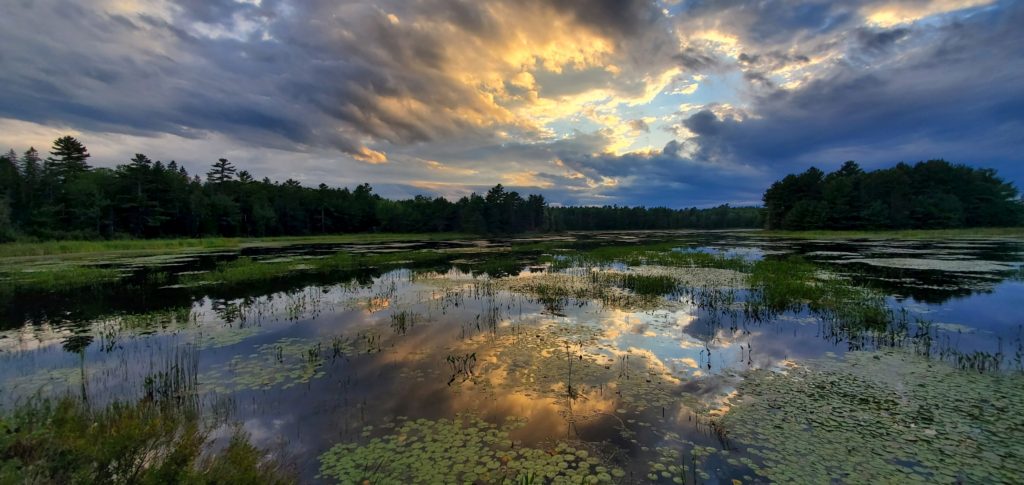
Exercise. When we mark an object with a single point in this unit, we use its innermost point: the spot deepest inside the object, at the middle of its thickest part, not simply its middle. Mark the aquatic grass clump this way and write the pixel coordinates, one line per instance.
(465, 449)
(664, 254)
(555, 290)
(243, 270)
(495, 266)
(56, 279)
(638, 283)
(881, 416)
(792, 284)
(65, 441)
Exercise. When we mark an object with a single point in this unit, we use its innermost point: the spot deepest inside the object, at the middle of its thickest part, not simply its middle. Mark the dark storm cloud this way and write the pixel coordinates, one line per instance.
(878, 40)
(619, 16)
(773, 20)
(771, 60)
(696, 60)
(668, 177)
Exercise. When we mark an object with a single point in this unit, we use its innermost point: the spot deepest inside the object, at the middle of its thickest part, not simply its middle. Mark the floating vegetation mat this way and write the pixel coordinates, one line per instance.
(286, 363)
(553, 287)
(882, 417)
(466, 449)
(695, 277)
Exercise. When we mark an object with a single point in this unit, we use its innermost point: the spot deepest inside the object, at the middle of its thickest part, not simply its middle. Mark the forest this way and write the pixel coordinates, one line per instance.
(62, 197)
(934, 194)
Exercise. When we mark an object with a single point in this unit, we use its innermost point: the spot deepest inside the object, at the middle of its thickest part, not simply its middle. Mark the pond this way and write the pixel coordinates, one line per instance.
(653, 357)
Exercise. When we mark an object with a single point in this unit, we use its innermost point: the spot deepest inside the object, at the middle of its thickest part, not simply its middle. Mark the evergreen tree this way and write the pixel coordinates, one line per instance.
(30, 165)
(930, 194)
(222, 171)
(67, 157)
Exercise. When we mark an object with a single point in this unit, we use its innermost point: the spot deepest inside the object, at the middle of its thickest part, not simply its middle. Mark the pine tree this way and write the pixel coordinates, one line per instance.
(30, 164)
(12, 156)
(68, 157)
(222, 171)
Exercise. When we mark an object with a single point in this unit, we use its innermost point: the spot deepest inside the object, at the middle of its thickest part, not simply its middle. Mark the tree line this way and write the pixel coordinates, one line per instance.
(927, 195)
(641, 218)
(63, 197)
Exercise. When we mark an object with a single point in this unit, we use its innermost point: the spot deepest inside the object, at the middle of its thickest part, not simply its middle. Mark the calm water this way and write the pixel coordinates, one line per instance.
(306, 362)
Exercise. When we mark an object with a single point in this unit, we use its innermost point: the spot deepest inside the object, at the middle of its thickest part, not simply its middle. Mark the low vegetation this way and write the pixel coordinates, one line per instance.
(663, 253)
(466, 449)
(886, 416)
(170, 246)
(66, 441)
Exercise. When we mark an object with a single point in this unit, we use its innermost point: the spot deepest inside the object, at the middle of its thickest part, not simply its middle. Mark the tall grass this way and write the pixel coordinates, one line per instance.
(160, 438)
(64, 441)
(793, 284)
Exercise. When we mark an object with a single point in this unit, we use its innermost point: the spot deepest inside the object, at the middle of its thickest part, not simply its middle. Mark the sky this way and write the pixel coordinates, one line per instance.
(590, 102)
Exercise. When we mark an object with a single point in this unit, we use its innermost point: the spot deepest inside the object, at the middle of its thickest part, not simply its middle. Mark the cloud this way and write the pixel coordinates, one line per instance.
(929, 96)
(690, 102)
(639, 125)
(373, 157)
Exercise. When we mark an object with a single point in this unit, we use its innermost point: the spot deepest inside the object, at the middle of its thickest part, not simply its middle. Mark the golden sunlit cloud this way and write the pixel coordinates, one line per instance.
(373, 157)
(896, 13)
(435, 166)
(525, 179)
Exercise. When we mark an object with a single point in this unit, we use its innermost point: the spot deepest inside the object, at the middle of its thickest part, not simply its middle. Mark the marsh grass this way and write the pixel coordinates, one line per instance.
(57, 279)
(495, 266)
(47, 248)
(662, 254)
(639, 284)
(160, 438)
(793, 284)
(65, 441)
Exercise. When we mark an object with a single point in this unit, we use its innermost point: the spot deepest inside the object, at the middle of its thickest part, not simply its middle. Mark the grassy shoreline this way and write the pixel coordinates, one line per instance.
(70, 248)
(25, 249)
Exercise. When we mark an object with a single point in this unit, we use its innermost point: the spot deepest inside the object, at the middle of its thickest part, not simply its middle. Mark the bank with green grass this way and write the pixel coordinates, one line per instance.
(167, 246)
